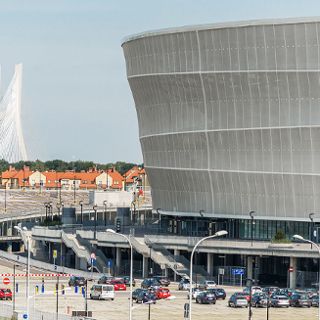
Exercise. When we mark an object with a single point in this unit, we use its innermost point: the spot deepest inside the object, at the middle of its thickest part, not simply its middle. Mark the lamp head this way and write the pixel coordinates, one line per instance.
(110, 231)
(221, 233)
(18, 228)
(298, 237)
(201, 213)
(105, 202)
(251, 214)
(311, 216)
(81, 202)
(95, 207)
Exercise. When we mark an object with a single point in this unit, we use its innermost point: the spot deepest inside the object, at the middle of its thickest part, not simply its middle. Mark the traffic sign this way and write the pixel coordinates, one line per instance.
(6, 281)
(238, 272)
(25, 316)
(55, 254)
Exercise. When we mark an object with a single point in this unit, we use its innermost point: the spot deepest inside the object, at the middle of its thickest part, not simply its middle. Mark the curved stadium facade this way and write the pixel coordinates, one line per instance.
(229, 120)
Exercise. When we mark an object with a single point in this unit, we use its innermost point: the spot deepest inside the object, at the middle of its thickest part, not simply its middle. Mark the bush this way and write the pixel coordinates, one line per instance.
(280, 237)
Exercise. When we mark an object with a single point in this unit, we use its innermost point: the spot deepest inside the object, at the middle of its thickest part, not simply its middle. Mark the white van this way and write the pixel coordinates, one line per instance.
(102, 291)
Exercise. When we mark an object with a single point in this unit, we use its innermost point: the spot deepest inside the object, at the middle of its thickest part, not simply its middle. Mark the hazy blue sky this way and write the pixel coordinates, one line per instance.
(76, 100)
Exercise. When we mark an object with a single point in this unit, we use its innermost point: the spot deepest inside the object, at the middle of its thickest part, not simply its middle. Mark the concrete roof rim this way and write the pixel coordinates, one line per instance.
(230, 216)
(220, 25)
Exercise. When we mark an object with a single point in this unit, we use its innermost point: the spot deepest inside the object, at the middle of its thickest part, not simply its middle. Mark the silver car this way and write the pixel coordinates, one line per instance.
(279, 301)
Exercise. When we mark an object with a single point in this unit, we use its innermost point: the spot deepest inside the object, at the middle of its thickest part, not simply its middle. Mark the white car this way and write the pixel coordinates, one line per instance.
(184, 284)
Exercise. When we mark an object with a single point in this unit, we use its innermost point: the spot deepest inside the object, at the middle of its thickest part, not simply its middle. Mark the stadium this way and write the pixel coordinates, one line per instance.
(229, 119)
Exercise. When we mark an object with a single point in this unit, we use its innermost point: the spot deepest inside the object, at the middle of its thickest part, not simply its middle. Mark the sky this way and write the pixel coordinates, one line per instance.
(76, 101)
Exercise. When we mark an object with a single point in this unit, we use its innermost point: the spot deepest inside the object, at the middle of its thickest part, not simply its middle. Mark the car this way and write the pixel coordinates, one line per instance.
(119, 285)
(269, 290)
(150, 282)
(146, 296)
(238, 301)
(259, 300)
(105, 279)
(162, 293)
(286, 291)
(164, 281)
(102, 291)
(300, 300)
(279, 301)
(195, 292)
(206, 297)
(254, 289)
(218, 292)
(184, 284)
(136, 292)
(126, 280)
(76, 281)
(5, 294)
(315, 301)
(208, 284)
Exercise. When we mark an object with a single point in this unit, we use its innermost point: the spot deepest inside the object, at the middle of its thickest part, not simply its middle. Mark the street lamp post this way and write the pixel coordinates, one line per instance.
(311, 226)
(298, 237)
(95, 207)
(217, 234)
(251, 214)
(105, 212)
(81, 212)
(5, 198)
(46, 204)
(131, 267)
(28, 265)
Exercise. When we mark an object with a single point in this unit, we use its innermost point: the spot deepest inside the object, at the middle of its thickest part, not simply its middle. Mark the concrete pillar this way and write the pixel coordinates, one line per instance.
(9, 247)
(166, 272)
(22, 249)
(256, 269)
(176, 252)
(210, 263)
(293, 274)
(118, 259)
(249, 267)
(145, 270)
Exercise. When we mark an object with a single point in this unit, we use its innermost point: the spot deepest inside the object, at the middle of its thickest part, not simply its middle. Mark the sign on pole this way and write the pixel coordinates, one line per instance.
(6, 281)
(186, 310)
(55, 254)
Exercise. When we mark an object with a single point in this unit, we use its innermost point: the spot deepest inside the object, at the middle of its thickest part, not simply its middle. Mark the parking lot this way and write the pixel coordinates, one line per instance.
(162, 310)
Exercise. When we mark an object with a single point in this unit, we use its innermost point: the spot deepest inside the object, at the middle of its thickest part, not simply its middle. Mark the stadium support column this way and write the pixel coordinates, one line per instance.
(249, 267)
(210, 263)
(293, 273)
(145, 265)
(176, 253)
(118, 259)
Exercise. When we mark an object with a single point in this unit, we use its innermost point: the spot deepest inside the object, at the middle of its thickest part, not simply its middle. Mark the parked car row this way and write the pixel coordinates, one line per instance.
(156, 281)
(274, 297)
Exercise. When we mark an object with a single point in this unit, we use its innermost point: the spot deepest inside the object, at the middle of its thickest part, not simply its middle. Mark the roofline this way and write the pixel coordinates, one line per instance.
(220, 25)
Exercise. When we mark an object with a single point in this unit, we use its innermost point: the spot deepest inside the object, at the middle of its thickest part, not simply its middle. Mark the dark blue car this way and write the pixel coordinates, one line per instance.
(206, 297)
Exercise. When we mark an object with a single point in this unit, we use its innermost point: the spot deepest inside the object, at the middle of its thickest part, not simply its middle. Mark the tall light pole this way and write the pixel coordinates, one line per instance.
(131, 266)
(217, 234)
(81, 212)
(105, 212)
(251, 214)
(28, 265)
(298, 237)
(95, 207)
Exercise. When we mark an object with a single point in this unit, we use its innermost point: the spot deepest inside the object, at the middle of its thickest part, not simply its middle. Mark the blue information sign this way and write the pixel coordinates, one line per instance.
(238, 272)
(25, 316)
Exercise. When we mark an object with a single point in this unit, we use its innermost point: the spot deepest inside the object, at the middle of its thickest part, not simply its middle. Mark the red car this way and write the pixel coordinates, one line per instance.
(118, 285)
(163, 293)
(5, 294)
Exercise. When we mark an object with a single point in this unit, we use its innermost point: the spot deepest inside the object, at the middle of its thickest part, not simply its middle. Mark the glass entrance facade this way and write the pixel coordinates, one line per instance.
(237, 228)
